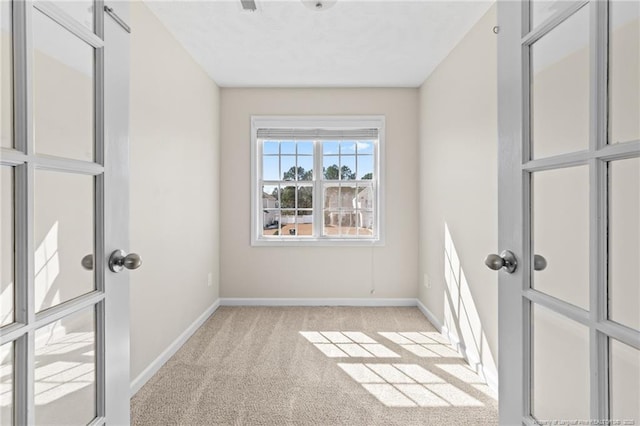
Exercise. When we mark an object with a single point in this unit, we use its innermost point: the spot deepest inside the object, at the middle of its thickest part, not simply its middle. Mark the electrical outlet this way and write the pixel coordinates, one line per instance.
(210, 279)
(425, 281)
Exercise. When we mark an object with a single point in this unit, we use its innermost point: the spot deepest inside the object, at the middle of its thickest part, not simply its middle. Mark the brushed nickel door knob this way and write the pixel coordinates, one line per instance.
(119, 260)
(506, 260)
(87, 262)
(539, 262)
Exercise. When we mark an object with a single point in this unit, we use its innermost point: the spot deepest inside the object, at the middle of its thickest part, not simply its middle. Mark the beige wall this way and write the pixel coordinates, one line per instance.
(320, 272)
(458, 193)
(174, 188)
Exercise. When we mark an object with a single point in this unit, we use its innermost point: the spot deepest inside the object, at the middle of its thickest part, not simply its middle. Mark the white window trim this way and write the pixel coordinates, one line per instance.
(314, 122)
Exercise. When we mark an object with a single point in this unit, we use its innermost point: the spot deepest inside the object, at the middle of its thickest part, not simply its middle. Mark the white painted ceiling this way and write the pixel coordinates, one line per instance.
(355, 43)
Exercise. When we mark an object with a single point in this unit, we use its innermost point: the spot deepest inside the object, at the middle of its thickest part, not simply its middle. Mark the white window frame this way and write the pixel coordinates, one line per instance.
(326, 123)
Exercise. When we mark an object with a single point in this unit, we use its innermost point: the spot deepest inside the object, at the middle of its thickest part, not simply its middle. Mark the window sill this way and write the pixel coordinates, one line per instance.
(317, 242)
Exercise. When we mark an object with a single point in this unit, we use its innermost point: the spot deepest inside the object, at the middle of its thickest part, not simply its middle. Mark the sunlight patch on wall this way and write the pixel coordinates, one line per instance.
(461, 318)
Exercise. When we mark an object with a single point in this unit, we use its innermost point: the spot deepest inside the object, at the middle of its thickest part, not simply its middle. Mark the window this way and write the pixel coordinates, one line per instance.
(317, 180)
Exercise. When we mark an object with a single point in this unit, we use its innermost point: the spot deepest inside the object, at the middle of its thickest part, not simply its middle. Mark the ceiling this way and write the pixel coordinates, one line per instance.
(354, 43)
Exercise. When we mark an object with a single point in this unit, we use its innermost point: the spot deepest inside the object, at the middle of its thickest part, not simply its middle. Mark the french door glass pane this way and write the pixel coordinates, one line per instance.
(6, 384)
(560, 233)
(63, 91)
(624, 381)
(560, 88)
(65, 375)
(624, 71)
(80, 10)
(6, 76)
(624, 242)
(542, 10)
(6, 247)
(560, 367)
(64, 234)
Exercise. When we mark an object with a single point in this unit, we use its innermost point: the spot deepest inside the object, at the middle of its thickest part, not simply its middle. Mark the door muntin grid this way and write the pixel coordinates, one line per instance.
(42, 333)
(599, 158)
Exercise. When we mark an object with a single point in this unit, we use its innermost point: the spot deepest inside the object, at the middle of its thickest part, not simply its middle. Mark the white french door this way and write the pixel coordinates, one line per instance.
(569, 211)
(64, 328)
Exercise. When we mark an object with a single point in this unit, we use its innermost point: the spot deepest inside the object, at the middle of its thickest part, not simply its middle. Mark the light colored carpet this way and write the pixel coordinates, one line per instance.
(291, 366)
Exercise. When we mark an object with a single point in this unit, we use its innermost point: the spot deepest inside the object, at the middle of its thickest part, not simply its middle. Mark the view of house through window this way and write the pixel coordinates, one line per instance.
(317, 184)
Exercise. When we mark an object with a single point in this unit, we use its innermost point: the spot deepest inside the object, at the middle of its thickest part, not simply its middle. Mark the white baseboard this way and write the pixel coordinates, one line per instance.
(147, 373)
(241, 301)
(491, 377)
(427, 313)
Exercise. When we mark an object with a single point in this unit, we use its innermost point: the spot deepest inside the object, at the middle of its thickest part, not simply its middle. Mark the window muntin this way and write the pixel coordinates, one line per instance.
(322, 187)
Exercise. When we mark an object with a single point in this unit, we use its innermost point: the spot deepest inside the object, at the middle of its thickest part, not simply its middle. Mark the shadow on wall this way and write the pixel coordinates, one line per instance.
(462, 323)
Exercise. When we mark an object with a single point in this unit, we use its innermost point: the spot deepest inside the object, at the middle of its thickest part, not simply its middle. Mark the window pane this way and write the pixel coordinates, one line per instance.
(63, 92)
(305, 168)
(304, 222)
(348, 222)
(63, 235)
(288, 148)
(305, 148)
(270, 213)
(331, 223)
(560, 233)
(560, 88)
(560, 364)
(347, 147)
(365, 222)
(365, 167)
(288, 223)
(365, 198)
(288, 197)
(624, 381)
(6, 384)
(331, 167)
(330, 148)
(305, 197)
(339, 196)
(6, 247)
(270, 147)
(288, 167)
(624, 242)
(348, 168)
(270, 168)
(6, 76)
(270, 196)
(331, 197)
(65, 388)
(365, 147)
(347, 196)
(624, 71)
(270, 222)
